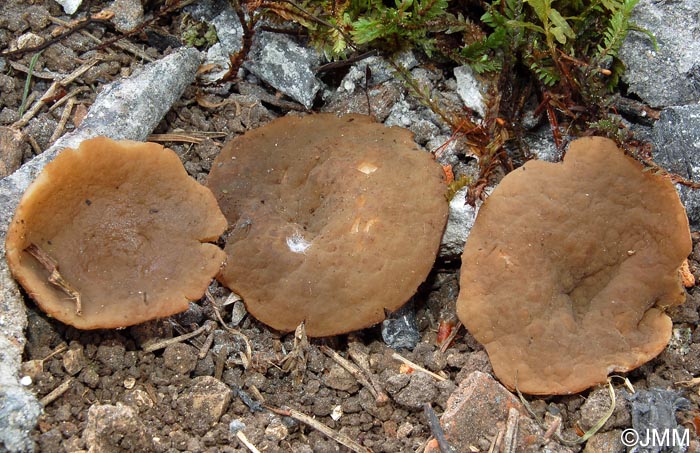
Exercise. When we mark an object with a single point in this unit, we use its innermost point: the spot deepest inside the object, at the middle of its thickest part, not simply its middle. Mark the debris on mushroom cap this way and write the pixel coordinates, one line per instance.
(333, 220)
(568, 269)
(111, 235)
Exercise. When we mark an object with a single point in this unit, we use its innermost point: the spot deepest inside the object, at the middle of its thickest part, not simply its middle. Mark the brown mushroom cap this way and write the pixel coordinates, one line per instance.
(333, 220)
(124, 224)
(569, 266)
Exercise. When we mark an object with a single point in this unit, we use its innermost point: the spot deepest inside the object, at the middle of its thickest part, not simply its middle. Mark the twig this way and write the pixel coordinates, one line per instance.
(380, 398)
(417, 367)
(55, 393)
(65, 115)
(208, 326)
(511, 436)
(52, 91)
(71, 95)
(55, 277)
(363, 362)
(206, 346)
(436, 429)
(101, 18)
(315, 424)
(244, 440)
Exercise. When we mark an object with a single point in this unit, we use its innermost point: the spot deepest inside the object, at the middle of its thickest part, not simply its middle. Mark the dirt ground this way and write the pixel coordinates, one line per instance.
(171, 390)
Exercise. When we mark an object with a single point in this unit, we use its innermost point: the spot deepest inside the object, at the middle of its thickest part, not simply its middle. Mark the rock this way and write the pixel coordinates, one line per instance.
(380, 71)
(111, 429)
(608, 442)
(74, 361)
(541, 145)
(654, 411)
(479, 409)
(471, 89)
(340, 379)
(204, 403)
(70, 6)
(671, 75)
(420, 389)
(229, 31)
(12, 148)
(111, 355)
(128, 14)
(676, 139)
(285, 65)
(400, 329)
(126, 109)
(459, 223)
(597, 405)
(180, 357)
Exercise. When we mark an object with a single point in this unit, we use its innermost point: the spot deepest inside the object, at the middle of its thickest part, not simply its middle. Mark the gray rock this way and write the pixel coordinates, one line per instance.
(654, 411)
(420, 389)
(542, 146)
(676, 139)
(470, 89)
(400, 328)
(380, 71)
(459, 223)
(126, 109)
(229, 31)
(285, 65)
(671, 75)
(116, 428)
(128, 14)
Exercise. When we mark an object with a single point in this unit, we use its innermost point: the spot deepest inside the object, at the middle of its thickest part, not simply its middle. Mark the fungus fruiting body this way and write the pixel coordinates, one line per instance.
(569, 267)
(112, 234)
(332, 220)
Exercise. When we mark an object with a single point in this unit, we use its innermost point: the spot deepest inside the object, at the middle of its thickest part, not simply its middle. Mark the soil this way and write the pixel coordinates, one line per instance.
(167, 400)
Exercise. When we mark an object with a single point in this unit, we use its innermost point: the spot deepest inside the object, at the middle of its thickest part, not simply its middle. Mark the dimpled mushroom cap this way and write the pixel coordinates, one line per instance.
(333, 220)
(568, 269)
(111, 235)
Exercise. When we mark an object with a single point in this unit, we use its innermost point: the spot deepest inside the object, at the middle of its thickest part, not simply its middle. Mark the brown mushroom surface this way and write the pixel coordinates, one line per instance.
(333, 220)
(115, 230)
(568, 269)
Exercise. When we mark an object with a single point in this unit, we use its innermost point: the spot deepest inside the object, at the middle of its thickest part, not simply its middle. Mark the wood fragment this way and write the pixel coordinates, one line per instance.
(436, 429)
(55, 87)
(34, 144)
(510, 440)
(206, 346)
(207, 327)
(417, 367)
(65, 116)
(55, 277)
(380, 398)
(244, 440)
(71, 95)
(315, 424)
(57, 392)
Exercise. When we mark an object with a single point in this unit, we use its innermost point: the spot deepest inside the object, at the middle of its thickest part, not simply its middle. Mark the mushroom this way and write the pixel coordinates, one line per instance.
(333, 220)
(111, 235)
(569, 268)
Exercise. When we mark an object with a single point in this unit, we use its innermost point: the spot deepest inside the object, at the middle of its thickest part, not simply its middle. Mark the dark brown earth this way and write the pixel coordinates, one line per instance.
(172, 400)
